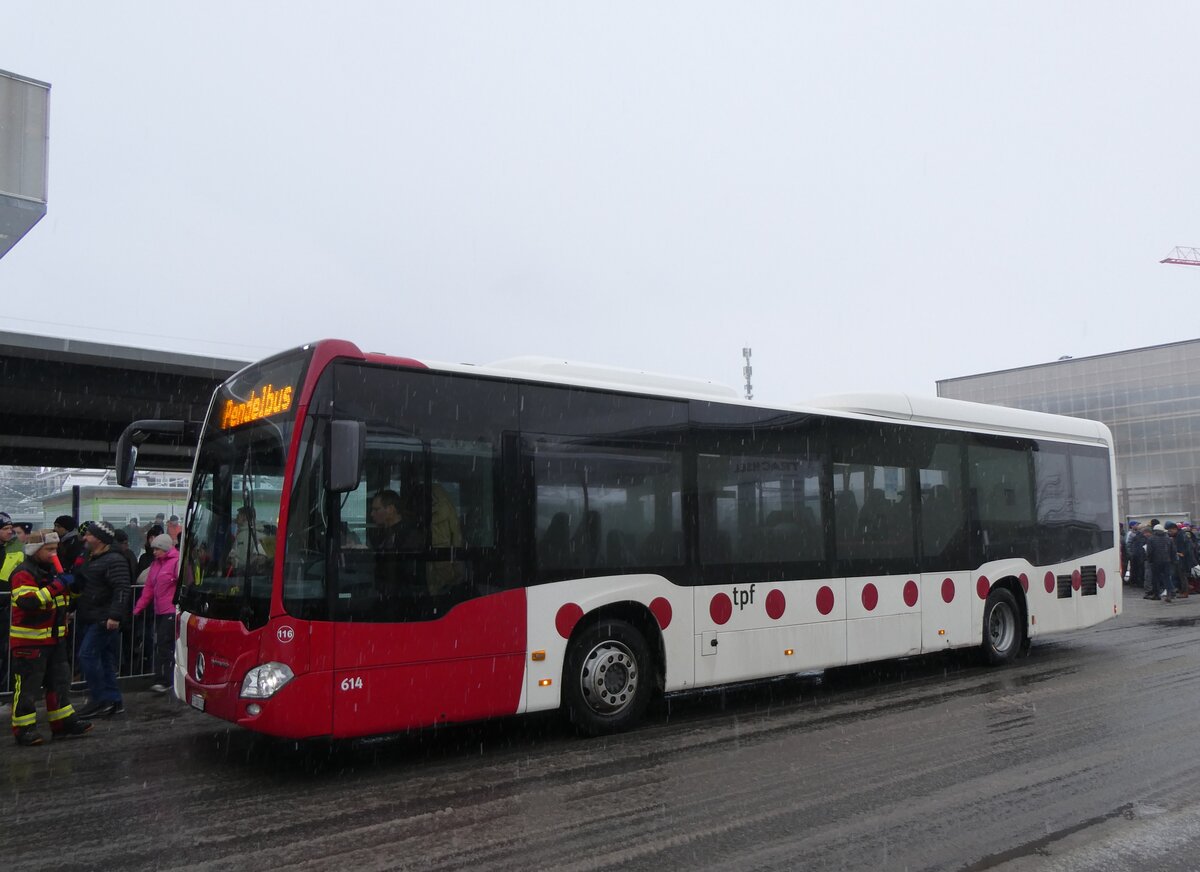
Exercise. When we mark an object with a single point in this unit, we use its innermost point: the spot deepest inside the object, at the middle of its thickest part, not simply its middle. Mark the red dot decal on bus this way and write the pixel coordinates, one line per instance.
(720, 609)
(660, 607)
(870, 596)
(1049, 582)
(910, 593)
(982, 587)
(1100, 578)
(825, 600)
(1024, 582)
(566, 619)
(1076, 579)
(776, 603)
(948, 590)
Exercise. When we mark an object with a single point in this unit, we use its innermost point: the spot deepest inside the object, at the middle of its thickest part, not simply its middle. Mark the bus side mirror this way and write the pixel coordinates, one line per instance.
(138, 432)
(347, 445)
(126, 461)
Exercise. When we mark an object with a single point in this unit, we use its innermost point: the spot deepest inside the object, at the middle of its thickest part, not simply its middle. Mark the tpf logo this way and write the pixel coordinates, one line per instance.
(285, 634)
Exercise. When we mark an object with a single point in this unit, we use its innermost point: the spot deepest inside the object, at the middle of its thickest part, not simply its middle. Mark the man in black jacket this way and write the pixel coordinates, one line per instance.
(1160, 554)
(103, 584)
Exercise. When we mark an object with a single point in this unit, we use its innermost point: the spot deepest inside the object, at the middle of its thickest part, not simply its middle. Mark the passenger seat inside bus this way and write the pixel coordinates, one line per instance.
(662, 548)
(783, 536)
(586, 542)
(619, 549)
(554, 550)
(845, 513)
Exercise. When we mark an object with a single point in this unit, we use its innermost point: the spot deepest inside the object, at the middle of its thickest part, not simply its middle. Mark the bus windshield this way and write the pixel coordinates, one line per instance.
(233, 514)
(232, 526)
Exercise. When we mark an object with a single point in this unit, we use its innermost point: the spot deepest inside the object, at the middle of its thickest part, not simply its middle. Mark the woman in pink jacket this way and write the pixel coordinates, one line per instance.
(161, 580)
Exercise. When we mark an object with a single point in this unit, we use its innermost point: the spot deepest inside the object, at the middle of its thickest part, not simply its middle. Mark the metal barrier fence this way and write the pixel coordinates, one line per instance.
(137, 649)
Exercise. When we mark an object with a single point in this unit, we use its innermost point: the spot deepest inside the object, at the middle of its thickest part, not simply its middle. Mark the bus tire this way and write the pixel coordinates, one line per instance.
(1002, 633)
(608, 678)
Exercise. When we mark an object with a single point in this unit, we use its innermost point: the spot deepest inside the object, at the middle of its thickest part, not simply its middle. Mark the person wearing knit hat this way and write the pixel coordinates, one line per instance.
(70, 541)
(161, 580)
(104, 584)
(41, 651)
(102, 530)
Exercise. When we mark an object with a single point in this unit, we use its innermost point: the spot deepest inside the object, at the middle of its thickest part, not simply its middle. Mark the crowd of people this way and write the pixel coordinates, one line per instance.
(69, 592)
(1164, 559)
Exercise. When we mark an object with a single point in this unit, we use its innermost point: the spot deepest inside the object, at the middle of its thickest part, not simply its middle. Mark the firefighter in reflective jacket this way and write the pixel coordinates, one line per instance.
(38, 643)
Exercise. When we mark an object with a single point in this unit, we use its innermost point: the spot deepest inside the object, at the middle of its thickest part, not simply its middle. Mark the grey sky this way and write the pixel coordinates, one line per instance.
(872, 195)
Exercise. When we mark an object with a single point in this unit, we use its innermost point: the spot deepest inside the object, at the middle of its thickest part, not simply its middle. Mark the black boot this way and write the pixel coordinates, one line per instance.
(28, 737)
(73, 727)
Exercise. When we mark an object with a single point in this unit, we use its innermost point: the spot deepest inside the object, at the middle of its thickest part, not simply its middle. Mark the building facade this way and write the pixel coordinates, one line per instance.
(1148, 397)
(38, 495)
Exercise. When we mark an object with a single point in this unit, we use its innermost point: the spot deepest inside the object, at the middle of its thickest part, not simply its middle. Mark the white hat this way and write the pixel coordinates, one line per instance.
(35, 542)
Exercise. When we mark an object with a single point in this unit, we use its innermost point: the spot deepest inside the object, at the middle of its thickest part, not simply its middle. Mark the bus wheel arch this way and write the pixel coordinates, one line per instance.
(1004, 619)
(613, 666)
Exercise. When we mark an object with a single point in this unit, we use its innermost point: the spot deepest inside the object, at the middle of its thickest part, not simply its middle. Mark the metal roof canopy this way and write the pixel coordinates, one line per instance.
(24, 152)
(64, 402)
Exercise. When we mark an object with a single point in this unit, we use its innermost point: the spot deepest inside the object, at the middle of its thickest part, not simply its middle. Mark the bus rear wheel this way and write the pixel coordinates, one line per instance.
(608, 678)
(1002, 633)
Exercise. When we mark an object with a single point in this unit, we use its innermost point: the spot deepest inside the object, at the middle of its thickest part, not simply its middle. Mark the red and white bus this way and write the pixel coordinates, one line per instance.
(374, 544)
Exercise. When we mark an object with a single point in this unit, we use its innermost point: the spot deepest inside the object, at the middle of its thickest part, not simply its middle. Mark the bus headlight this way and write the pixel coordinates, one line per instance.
(263, 682)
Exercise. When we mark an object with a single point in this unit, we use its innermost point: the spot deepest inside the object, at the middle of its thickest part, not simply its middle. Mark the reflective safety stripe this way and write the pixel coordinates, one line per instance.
(21, 720)
(60, 713)
(22, 591)
(26, 633)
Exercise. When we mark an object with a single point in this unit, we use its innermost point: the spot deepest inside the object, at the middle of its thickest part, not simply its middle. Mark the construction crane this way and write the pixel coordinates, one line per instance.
(1184, 255)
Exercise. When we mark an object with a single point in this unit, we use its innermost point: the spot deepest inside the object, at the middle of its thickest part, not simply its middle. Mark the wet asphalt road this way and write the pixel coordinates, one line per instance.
(1083, 755)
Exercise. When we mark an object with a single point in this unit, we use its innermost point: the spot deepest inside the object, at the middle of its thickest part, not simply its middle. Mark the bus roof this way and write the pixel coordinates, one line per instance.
(934, 411)
(944, 412)
(557, 370)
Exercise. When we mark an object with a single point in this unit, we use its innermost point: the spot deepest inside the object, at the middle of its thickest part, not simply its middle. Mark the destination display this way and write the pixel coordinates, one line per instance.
(262, 403)
(267, 391)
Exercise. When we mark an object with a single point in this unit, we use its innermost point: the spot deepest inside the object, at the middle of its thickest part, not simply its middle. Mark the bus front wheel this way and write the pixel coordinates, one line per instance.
(1002, 633)
(608, 678)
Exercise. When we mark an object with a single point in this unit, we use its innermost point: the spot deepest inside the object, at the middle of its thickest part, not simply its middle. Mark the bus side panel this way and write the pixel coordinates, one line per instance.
(880, 623)
(946, 612)
(1050, 612)
(754, 625)
(745, 655)
(387, 699)
(466, 665)
(1109, 590)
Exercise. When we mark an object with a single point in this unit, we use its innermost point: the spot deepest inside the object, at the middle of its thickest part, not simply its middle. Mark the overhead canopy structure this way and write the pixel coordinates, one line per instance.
(64, 402)
(24, 146)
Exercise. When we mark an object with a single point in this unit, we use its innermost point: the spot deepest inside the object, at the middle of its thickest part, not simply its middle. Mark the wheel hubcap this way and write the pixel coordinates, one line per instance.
(1002, 627)
(609, 678)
